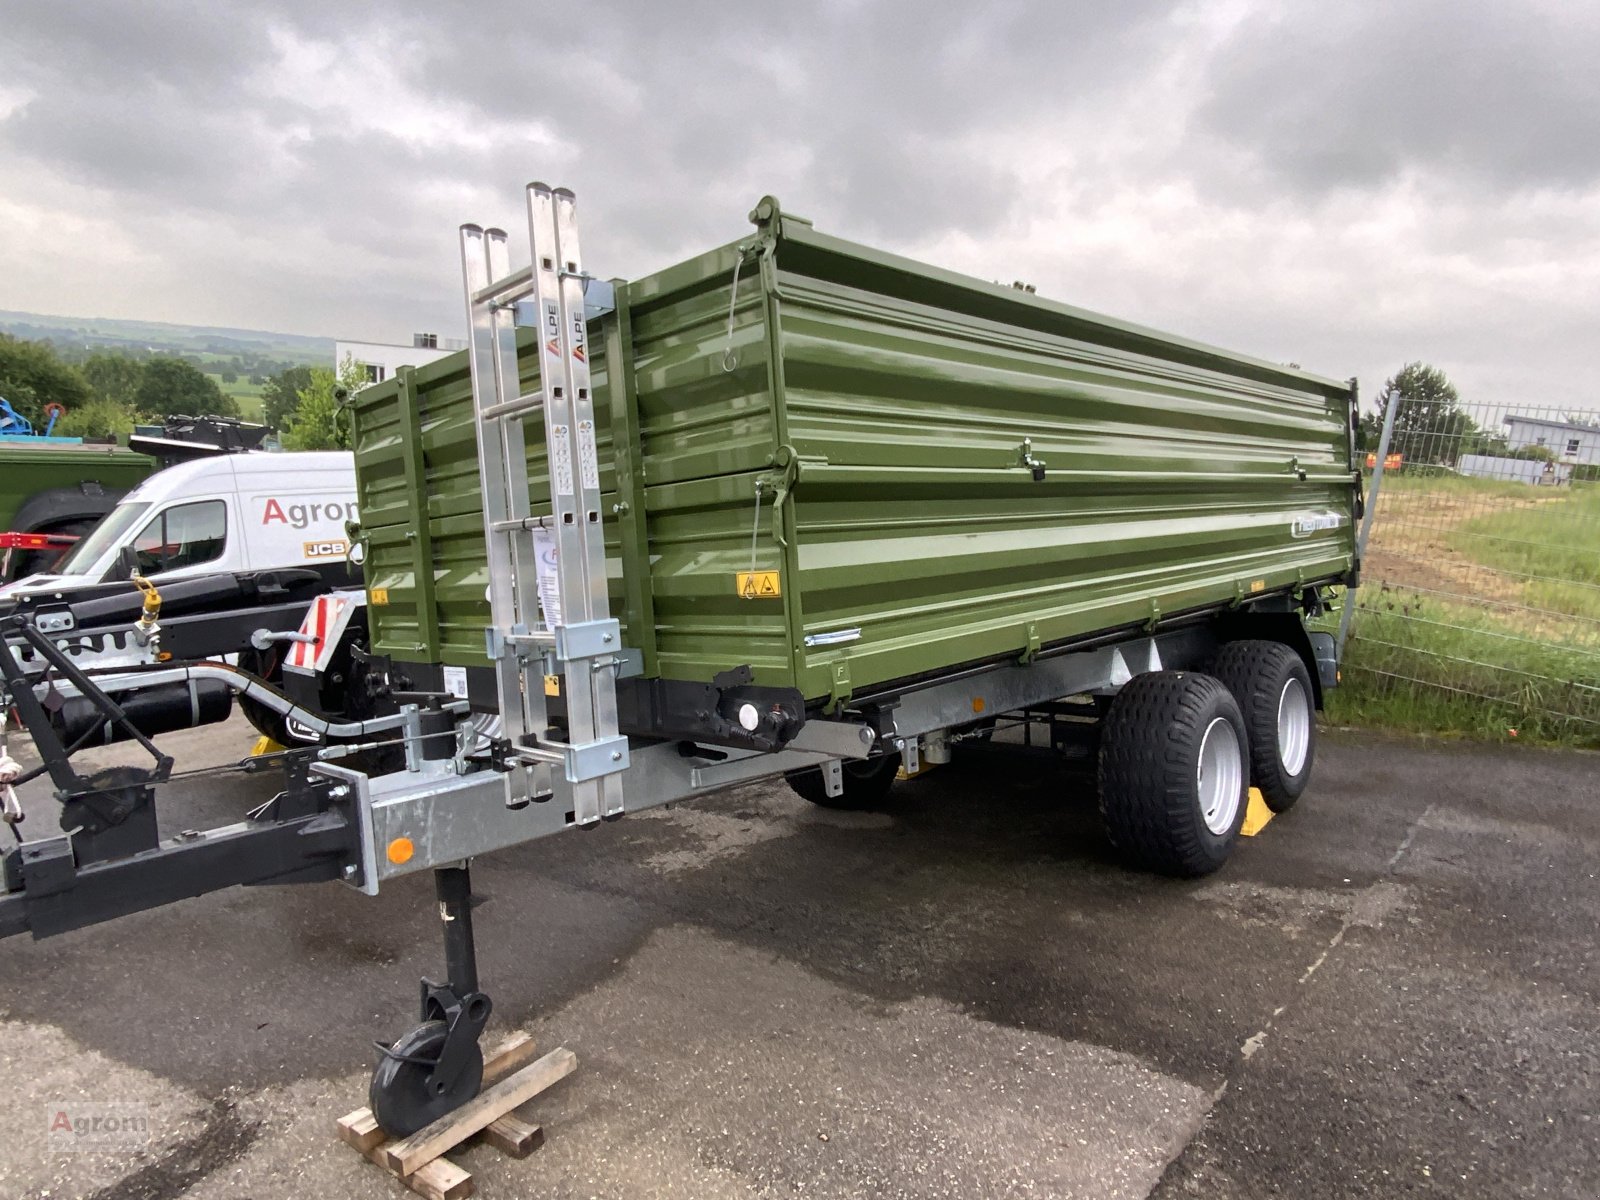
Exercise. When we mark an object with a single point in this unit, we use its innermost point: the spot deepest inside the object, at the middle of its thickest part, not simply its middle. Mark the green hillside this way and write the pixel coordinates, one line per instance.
(240, 360)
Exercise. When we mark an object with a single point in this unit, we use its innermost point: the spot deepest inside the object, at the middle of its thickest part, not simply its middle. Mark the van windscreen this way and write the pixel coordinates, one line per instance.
(111, 530)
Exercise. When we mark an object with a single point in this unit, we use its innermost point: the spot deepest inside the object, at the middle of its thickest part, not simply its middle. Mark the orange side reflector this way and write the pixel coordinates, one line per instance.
(401, 850)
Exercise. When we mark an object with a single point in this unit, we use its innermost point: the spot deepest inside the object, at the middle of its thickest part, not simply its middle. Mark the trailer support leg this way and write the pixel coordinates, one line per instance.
(454, 888)
(438, 1066)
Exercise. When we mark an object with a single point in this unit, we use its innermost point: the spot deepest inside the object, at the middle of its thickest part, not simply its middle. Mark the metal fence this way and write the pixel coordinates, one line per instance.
(1479, 608)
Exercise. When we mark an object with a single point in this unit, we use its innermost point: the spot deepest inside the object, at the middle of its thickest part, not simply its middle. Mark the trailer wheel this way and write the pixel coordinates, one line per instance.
(1270, 682)
(1173, 754)
(866, 783)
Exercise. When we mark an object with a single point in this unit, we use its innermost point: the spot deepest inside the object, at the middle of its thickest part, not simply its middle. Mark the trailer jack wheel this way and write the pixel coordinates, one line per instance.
(438, 1066)
(407, 1089)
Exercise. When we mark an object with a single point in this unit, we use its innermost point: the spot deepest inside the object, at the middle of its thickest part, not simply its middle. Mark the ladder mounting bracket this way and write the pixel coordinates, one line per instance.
(588, 639)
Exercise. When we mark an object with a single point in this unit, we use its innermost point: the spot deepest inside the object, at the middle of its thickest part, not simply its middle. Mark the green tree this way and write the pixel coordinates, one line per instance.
(32, 375)
(281, 396)
(98, 419)
(175, 387)
(315, 423)
(1369, 432)
(1429, 425)
(113, 377)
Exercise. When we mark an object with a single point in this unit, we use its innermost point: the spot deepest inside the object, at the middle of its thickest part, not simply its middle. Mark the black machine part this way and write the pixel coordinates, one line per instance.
(110, 860)
(729, 711)
(184, 438)
(159, 709)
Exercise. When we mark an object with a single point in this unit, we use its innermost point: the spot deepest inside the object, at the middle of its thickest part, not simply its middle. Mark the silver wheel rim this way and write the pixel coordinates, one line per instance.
(1219, 777)
(1294, 727)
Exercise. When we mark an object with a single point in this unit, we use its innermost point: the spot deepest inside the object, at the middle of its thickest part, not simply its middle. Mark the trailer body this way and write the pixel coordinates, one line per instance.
(854, 509)
(850, 472)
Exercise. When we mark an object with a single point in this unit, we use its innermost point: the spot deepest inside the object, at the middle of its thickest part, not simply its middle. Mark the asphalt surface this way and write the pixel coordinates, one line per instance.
(1391, 991)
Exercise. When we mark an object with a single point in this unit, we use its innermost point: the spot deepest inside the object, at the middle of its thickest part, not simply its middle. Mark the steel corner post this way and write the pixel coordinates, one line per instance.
(1347, 612)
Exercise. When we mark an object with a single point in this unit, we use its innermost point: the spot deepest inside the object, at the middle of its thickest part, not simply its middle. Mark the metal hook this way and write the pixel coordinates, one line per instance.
(730, 356)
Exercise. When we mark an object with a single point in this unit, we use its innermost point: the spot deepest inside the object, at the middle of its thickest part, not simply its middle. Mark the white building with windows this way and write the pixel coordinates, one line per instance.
(1576, 442)
(380, 360)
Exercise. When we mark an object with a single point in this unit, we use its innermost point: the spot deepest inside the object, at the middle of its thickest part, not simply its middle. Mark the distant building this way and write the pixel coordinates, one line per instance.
(380, 360)
(1515, 470)
(1575, 442)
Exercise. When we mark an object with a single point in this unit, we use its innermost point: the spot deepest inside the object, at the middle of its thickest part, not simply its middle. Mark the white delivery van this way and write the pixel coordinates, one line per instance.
(255, 511)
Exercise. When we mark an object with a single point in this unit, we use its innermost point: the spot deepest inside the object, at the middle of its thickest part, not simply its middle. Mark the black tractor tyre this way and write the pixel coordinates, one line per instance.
(866, 783)
(1163, 810)
(39, 562)
(1273, 689)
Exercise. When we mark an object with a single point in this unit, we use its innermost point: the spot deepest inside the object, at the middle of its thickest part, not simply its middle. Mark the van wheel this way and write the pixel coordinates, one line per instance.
(1173, 761)
(1270, 682)
(866, 783)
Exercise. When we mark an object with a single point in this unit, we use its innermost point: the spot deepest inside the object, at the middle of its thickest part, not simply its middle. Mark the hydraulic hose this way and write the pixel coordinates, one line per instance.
(246, 684)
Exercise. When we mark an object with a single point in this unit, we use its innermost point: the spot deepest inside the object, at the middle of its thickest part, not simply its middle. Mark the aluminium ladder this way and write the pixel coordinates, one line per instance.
(577, 631)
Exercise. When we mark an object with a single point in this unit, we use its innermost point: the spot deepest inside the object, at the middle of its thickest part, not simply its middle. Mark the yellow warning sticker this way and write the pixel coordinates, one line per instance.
(552, 685)
(757, 585)
(377, 595)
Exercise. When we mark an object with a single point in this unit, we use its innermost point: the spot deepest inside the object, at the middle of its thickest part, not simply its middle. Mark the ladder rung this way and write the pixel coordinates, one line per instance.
(526, 403)
(514, 286)
(525, 523)
(537, 754)
(544, 639)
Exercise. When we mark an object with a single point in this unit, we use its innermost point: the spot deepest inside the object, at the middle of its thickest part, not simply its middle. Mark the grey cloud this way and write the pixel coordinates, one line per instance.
(879, 119)
(1345, 95)
(866, 108)
(880, 97)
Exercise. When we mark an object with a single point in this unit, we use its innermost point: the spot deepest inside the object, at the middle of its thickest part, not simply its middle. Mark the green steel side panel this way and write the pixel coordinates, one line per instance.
(638, 612)
(883, 407)
(1170, 485)
(705, 407)
(700, 538)
(442, 433)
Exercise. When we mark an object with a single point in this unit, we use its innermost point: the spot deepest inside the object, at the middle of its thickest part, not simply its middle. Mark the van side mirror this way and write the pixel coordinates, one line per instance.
(127, 562)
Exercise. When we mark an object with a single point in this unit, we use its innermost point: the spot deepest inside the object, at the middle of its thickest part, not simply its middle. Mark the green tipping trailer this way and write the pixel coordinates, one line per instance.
(950, 472)
(820, 514)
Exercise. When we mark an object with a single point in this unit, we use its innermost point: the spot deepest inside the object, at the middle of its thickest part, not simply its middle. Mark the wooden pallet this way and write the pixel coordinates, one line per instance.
(509, 1079)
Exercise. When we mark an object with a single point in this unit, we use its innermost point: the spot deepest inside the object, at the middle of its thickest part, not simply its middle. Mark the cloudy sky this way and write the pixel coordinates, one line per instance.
(1346, 185)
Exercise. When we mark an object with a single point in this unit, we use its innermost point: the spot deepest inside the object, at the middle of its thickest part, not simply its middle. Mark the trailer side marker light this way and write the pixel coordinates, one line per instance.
(1256, 814)
(977, 704)
(400, 850)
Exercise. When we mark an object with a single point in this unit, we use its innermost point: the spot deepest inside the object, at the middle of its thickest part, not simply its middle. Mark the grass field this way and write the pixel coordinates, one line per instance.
(1479, 613)
(248, 396)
